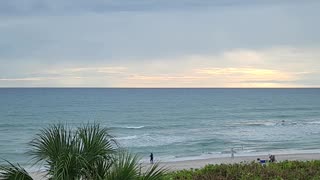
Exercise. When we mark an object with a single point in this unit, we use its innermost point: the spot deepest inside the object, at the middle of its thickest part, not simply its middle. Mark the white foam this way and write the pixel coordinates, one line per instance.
(314, 122)
(258, 123)
(126, 137)
(134, 127)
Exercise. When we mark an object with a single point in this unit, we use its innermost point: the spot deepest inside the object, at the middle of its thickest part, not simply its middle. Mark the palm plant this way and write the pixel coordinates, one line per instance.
(89, 152)
(127, 167)
(71, 154)
(14, 172)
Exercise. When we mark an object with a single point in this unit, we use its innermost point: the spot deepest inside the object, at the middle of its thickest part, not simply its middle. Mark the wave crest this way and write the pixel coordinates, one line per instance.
(134, 127)
(126, 137)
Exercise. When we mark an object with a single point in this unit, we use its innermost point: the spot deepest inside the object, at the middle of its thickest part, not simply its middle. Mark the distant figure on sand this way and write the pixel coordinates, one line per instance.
(151, 158)
(232, 153)
(272, 158)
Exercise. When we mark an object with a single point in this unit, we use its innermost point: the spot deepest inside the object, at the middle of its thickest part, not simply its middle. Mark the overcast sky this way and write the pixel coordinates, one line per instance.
(159, 43)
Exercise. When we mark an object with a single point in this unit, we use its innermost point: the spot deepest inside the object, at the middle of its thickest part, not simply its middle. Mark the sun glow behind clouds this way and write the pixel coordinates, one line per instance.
(193, 43)
(241, 71)
(220, 77)
(251, 77)
(276, 67)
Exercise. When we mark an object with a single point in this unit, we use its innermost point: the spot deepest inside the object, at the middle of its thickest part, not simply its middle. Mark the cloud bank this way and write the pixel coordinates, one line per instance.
(143, 43)
(236, 68)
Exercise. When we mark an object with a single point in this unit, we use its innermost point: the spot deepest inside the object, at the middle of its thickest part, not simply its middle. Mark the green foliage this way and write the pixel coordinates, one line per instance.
(282, 170)
(72, 155)
(13, 172)
(126, 167)
(154, 172)
(89, 152)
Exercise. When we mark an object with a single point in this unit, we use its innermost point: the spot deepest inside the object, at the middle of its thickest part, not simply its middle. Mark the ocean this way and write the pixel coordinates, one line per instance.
(174, 124)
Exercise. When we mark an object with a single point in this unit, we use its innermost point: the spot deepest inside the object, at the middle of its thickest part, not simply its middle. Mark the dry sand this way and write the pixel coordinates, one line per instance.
(178, 165)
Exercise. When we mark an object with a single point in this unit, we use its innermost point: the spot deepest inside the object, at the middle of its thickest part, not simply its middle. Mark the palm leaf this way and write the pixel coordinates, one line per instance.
(96, 142)
(89, 152)
(69, 166)
(83, 153)
(55, 146)
(125, 167)
(13, 172)
(50, 143)
(154, 172)
(96, 148)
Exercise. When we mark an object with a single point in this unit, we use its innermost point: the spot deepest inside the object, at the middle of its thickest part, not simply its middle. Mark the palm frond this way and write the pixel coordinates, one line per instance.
(85, 152)
(100, 170)
(52, 145)
(125, 167)
(96, 142)
(70, 166)
(97, 147)
(89, 152)
(13, 172)
(154, 172)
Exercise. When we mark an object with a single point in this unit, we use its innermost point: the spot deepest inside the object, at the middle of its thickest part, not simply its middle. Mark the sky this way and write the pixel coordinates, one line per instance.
(159, 43)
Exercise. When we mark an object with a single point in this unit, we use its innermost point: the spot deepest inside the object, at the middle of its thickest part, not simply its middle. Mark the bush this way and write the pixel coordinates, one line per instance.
(281, 170)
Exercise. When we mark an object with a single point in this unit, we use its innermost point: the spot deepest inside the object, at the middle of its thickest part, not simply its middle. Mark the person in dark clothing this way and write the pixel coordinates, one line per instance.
(272, 158)
(151, 158)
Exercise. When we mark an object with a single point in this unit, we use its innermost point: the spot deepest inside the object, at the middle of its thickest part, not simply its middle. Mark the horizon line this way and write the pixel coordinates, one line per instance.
(159, 87)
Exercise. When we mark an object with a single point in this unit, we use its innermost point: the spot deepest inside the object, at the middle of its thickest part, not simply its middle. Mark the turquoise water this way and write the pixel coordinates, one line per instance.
(174, 124)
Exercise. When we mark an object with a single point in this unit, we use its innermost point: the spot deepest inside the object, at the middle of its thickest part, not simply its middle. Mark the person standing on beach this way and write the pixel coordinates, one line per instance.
(151, 158)
(232, 153)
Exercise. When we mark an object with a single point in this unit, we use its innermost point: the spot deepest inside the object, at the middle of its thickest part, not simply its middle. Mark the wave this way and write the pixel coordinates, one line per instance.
(262, 124)
(268, 123)
(313, 122)
(257, 124)
(248, 151)
(280, 109)
(127, 127)
(134, 127)
(126, 137)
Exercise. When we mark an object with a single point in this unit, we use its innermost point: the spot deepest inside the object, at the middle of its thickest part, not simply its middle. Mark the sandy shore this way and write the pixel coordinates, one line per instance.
(228, 160)
(178, 165)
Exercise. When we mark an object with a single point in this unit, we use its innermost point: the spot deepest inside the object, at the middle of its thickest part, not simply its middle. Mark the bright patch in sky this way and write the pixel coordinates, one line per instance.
(185, 43)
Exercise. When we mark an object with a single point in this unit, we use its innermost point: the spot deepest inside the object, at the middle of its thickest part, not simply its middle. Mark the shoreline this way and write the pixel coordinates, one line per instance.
(199, 163)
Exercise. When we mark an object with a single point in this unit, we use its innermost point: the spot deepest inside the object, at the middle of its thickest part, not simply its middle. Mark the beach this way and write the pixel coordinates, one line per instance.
(188, 164)
(179, 165)
(174, 124)
(183, 128)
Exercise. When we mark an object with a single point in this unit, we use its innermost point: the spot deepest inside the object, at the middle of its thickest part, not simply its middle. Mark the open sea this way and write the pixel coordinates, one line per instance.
(174, 124)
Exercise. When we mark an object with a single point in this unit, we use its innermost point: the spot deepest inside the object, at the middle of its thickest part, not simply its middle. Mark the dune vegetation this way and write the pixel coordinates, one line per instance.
(281, 170)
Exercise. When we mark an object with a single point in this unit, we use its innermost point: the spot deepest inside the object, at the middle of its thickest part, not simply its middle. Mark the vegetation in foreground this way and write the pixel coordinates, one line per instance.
(89, 152)
(282, 170)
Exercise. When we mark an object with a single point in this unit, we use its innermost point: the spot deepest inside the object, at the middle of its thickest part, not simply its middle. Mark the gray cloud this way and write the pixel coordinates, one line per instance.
(37, 35)
(41, 7)
(145, 35)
